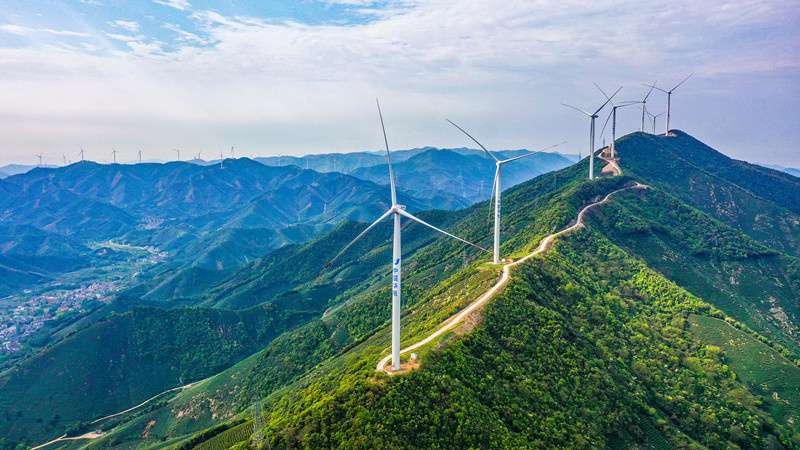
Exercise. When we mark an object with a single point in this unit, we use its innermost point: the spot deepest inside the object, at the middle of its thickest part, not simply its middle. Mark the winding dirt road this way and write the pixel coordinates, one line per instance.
(544, 245)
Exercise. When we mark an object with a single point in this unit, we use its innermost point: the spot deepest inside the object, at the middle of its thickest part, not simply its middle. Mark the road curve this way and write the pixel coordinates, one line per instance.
(543, 246)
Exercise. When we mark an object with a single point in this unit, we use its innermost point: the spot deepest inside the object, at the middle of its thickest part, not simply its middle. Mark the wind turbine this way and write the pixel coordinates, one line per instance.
(233, 155)
(614, 121)
(396, 211)
(654, 119)
(644, 103)
(40, 159)
(114, 154)
(669, 96)
(81, 154)
(497, 188)
(179, 153)
(64, 158)
(140, 155)
(220, 158)
(592, 116)
(613, 114)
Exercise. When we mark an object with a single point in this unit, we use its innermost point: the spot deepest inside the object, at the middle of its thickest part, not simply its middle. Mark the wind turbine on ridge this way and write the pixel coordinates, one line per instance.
(496, 187)
(669, 96)
(40, 159)
(114, 154)
(613, 114)
(592, 116)
(644, 103)
(653, 119)
(397, 211)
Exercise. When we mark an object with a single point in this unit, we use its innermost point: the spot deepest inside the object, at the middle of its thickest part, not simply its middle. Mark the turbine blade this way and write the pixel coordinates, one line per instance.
(491, 197)
(384, 216)
(608, 101)
(531, 153)
(476, 141)
(651, 90)
(684, 80)
(604, 126)
(601, 90)
(577, 109)
(388, 156)
(404, 213)
(654, 87)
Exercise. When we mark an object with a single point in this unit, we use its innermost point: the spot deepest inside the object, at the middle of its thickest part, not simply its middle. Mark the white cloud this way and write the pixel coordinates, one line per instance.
(25, 31)
(183, 5)
(133, 27)
(499, 68)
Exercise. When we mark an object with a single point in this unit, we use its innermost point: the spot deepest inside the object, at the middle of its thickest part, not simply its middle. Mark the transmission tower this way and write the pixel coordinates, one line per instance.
(258, 430)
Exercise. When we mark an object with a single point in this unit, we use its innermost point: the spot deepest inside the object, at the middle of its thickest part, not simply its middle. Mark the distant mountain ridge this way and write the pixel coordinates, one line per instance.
(177, 205)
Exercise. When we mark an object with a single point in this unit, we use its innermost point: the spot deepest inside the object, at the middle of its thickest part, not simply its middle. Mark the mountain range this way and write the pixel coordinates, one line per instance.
(671, 318)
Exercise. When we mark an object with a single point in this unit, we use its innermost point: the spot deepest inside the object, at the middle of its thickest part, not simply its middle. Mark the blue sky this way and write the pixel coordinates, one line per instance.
(302, 77)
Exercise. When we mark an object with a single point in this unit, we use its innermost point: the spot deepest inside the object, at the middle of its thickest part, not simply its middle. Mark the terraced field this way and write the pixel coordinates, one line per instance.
(760, 367)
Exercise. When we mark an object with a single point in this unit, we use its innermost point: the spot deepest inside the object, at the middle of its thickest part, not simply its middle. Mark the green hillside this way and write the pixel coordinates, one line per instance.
(761, 202)
(747, 280)
(126, 359)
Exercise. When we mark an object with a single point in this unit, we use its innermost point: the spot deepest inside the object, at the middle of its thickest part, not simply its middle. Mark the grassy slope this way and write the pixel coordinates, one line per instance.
(762, 203)
(738, 275)
(774, 379)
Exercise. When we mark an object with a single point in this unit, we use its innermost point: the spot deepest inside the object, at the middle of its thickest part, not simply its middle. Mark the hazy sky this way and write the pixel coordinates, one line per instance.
(302, 76)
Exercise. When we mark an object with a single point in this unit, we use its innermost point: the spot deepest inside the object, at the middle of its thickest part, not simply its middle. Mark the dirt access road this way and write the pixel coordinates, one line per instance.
(544, 245)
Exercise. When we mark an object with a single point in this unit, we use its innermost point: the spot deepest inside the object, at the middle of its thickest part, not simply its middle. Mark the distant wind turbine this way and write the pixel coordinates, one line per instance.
(40, 159)
(140, 155)
(613, 114)
(654, 118)
(179, 153)
(497, 187)
(64, 158)
(644, 103)
(592, 116)
(669, 96)
(114, 154)
(397, 211)
(233, 155)
(81, 154)
(220, 158)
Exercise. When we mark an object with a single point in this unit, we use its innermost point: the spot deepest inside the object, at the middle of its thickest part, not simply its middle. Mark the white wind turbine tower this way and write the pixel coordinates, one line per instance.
(644, 103)
(396, 211)
(221, 158)
(64, 158)
(497, 187)
(114, 154)
(40, 159)
(669, 96)
(81, 154)
(140, 155)
(179, 153)
(592, 116)
(233, 155)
